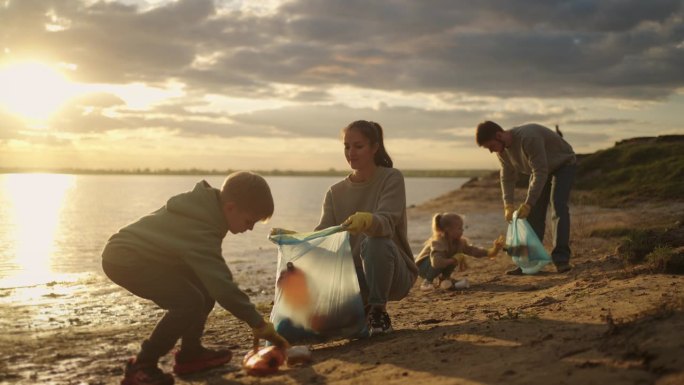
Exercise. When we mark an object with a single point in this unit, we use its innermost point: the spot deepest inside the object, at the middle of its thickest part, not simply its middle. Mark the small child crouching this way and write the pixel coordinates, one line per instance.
(446, 249)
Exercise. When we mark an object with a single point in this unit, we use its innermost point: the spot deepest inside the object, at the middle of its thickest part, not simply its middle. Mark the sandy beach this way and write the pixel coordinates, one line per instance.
(602, 323)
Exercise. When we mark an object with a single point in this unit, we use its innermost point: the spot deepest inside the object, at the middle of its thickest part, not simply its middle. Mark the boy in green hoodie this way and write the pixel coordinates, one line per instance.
(173, 258)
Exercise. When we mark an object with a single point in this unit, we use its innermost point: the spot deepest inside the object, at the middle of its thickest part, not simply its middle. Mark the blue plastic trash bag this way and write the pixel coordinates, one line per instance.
(317, 294)
(523, 245)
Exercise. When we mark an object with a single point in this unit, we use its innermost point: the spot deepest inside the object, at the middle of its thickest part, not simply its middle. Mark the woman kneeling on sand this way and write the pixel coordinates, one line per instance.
(371, 202)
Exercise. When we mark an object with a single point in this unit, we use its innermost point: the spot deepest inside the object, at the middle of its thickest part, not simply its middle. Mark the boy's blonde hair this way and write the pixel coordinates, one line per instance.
(441, 222)
(249, 191)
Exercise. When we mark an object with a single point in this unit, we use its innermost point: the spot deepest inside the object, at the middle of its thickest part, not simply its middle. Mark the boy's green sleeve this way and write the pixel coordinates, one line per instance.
(212, 270)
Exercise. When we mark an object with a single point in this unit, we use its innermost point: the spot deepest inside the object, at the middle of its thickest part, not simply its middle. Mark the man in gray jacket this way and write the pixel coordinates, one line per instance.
(550, 162)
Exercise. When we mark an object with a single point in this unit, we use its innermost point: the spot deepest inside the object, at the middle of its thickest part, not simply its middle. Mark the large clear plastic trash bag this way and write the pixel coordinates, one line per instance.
(317, 294)
(524, 247)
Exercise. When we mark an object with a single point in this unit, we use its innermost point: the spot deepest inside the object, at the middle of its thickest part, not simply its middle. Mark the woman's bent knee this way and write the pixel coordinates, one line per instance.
(377, 247)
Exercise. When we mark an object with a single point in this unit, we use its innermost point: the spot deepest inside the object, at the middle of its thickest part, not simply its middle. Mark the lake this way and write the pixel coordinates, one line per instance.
(53, 226)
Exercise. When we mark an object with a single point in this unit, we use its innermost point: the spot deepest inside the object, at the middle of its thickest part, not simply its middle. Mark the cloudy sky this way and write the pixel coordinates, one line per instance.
(269, 84)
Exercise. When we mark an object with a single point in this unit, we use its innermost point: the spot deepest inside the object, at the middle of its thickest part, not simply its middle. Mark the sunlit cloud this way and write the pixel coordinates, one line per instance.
(139, 96)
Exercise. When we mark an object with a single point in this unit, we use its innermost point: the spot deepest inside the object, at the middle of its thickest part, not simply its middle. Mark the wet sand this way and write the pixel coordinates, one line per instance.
(602, 323)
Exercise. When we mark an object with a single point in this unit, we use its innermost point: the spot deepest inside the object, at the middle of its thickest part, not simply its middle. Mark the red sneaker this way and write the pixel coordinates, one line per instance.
(145, 374)
(208, 359)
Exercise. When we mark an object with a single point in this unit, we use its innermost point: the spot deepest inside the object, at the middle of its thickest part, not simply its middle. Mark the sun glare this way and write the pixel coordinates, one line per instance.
(33, 90)
(33, 205)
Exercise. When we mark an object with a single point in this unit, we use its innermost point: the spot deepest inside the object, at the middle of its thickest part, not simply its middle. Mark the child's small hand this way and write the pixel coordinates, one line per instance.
(497, 245)
(500, 242)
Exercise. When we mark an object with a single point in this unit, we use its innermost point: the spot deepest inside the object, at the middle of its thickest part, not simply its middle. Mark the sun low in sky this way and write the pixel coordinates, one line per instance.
(269, 84)
(33, 90)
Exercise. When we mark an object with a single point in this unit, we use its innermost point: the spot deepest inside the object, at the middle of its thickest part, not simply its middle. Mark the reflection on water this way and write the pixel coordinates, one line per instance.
(32, 214)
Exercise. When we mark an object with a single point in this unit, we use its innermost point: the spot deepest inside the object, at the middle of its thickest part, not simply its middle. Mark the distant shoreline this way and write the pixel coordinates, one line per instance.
(194, 171)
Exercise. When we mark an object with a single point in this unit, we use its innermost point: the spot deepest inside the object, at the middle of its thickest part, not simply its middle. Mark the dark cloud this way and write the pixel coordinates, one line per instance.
(109, 42)
(528, 48)
(612, 48)
(399, 122)
(312, 96)
(328, 121)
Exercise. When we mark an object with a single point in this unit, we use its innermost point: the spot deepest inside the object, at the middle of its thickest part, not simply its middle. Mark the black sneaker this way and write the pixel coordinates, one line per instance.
(516, 271)
(563, 268)
(145, 374)
(379, 322)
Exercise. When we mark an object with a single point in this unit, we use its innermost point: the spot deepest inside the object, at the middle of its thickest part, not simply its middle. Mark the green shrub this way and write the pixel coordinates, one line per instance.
(639, 243)
(648, 169)
(662, 249)
(665, 259)
(659, 258)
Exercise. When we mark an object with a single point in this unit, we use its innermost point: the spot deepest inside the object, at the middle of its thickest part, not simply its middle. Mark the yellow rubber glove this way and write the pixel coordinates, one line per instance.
(496, 247)
(524, 210)
(508, 212)
(267, 332)
(358, 222)
(279, 231)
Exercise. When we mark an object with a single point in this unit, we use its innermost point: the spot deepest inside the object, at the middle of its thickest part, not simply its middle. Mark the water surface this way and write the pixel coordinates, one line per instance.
(53, 226)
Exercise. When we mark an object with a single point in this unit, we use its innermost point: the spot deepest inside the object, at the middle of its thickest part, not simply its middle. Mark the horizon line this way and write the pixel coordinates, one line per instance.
(198, 171)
